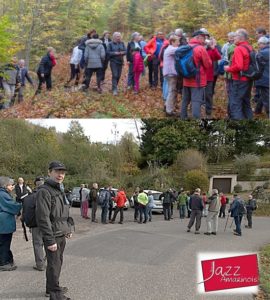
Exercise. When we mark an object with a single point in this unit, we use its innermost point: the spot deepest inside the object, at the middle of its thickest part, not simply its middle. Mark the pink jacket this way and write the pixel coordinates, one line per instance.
(138, 66)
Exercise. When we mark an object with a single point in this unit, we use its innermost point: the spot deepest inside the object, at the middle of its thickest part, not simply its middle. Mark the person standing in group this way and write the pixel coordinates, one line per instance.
(116, 51)
(194, 88)
(240, 108)
(105, 41)
(237, 211)
(152, 49)
(21, 190)
(131, 46)
(94, 57)
(143, 201)
(169, 72)
(8, 210)
(150, 205)
(136, 204)
(223, 202)
(44, 71)
(168, 199)
(23, 75)
(85, 202)
(196, 206)
(104, 200)
(82, 186)
(182, 200)
(112, 196)
(251, 205)
(52, 216)
(28, 217)
(74, 63)
(213, 211)
(93, 196)
(120, 200)
(138, 68)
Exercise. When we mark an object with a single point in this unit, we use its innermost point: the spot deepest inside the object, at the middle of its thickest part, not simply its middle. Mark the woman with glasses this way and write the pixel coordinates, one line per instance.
(8, 210)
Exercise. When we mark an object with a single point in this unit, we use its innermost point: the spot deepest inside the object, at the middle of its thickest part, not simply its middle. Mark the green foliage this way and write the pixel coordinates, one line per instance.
(246, 164)
(238, 188)
(6, 44)
(196, 179)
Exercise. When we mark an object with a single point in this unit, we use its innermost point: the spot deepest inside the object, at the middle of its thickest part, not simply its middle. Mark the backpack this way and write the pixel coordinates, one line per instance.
(256, 65)
(184, 62)
(29, 211)
(242, 208)
(102, 197)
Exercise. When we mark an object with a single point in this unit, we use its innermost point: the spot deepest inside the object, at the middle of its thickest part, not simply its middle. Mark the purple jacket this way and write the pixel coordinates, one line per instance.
(169, 61)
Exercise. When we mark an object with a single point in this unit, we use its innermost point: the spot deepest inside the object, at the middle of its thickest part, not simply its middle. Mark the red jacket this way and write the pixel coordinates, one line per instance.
(223, 200)
(240, 61)
(215, 56)
(52, 57)
(138, 65)
(151, 46)
(200, 57)
(120, 199)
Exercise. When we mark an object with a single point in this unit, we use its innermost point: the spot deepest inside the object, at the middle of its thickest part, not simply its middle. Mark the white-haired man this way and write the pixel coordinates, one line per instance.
(196, 206)
(213, 211)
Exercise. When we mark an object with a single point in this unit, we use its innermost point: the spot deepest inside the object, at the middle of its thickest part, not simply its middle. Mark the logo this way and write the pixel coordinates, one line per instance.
(236, 273)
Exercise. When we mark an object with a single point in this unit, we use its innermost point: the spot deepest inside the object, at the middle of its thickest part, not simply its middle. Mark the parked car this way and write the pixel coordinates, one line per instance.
(75, 196)
(127, 205)
(158, 206)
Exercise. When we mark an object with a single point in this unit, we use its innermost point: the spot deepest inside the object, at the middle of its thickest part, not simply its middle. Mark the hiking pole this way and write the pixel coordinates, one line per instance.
(226, 223)
(24, 231)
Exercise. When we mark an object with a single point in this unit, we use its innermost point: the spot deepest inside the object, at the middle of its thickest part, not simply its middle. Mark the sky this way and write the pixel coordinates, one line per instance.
(99, 130)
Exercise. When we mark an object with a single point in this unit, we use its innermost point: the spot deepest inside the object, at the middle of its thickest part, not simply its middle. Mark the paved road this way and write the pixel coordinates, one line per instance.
(131, 261)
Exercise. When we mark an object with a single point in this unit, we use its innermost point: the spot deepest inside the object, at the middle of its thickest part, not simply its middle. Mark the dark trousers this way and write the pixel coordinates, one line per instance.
(105, 66)
(143, 213)
(262, 100)
(240, 106)
(130, 75)
(222, 210)
(46, 79)
(195, 96)
(195, 214)
(117, 209)
(171, 209)
(136, 210)
(249, 218)
(104, 213)
(116, 74)
(237, 221)
(6, 256)
(74, 73)
(155, 70)
(94, 210)
(209, 98)
(110, 212)
(229, 89)
(167, 211)
(54, 265)
(88, 75)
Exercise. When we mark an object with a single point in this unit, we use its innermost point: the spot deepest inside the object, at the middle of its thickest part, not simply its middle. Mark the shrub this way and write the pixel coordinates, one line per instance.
(196, 179)
(238, 188)
(246, 165)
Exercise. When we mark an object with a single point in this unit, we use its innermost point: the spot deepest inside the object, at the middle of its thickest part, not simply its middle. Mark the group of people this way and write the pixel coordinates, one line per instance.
(45, 210)
(162, 56)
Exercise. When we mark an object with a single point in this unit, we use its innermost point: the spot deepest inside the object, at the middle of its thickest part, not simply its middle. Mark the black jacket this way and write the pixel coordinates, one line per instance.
(46, 65)
(130, 48)
(20, 193)
(196, 202)
(52, 212)
(116, 47)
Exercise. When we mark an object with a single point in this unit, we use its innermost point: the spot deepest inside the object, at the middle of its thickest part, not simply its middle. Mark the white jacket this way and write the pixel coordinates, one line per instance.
(76, 56)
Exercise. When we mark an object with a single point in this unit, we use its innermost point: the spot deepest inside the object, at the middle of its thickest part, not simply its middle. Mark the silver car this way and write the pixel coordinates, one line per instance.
(158, 206)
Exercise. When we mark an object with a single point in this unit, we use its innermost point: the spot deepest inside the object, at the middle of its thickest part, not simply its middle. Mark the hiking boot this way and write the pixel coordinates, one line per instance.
(246, 226)
(238, 234)
(111, 222)
(39, 268)
(207, 233)
(214, 233)
(120, 222)
(188, 230)
(8, 267)
(115, 93)
(64, 290)
(197, 232)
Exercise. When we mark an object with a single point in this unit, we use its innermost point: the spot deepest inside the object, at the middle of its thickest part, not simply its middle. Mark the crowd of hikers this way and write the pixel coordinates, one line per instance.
(180, 64)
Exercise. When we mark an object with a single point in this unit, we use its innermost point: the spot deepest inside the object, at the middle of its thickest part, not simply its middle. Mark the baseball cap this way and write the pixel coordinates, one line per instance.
(57, 165)
(200, 32)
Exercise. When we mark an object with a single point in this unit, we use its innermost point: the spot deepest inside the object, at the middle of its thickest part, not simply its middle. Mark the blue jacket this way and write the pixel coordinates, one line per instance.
(23, 72)
(46, 65)
(264, 81)
(8, 210)
(235, 208)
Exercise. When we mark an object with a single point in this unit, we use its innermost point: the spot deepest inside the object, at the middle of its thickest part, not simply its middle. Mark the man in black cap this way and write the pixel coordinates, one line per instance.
(52, 214)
